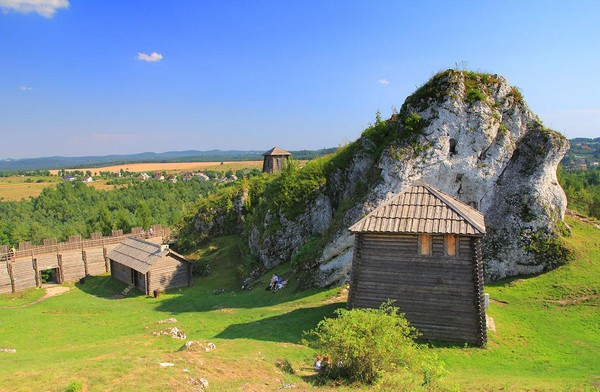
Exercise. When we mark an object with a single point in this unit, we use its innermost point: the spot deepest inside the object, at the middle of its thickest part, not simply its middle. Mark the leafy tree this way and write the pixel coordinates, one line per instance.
(368, 345)
(143, 214)
(123, 221)
(105, 221)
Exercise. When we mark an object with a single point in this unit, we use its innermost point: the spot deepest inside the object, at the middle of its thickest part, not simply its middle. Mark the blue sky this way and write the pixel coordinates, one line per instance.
(114, 77)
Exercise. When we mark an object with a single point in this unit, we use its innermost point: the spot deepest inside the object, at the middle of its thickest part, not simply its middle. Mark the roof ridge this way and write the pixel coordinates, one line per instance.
(411, 201)
(451, 201)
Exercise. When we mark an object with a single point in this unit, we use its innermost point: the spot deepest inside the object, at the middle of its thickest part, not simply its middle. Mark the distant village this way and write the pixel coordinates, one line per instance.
(202, 176)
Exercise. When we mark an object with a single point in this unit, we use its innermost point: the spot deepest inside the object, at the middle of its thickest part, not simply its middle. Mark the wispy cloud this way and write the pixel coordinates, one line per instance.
(151, 58)
(25, 88)
(46, 8)
(385, 82)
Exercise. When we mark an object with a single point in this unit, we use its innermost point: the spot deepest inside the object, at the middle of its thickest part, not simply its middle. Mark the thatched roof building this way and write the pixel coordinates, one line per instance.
(149, 266)
(423, 249)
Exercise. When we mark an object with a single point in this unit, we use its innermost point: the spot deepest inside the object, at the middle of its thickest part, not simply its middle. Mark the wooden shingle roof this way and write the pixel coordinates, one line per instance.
(277, 151)
(138, 254)
(422, 209)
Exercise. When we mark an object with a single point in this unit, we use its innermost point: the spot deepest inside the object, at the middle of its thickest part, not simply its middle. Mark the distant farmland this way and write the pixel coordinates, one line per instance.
(15, 188)
(172, 167)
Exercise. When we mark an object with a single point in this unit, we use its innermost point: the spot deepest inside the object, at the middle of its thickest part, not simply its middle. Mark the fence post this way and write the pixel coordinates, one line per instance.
(10, 275)
(61, 274)
(38, 282)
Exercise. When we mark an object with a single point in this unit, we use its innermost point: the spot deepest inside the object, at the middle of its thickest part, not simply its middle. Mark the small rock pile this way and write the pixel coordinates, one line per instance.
(196, 345)
(202, 383)
(169, 320)
(174, 332)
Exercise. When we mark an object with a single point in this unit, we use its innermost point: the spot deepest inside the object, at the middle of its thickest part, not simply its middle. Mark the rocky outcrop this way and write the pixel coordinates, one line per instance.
(470, 135)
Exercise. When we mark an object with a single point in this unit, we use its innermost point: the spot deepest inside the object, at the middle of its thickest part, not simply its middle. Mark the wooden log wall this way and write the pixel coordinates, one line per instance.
(120, 272)
(169, 273)
(20, 268)
(5, 284)
(439, 294)
(72, 265)
(23, 273)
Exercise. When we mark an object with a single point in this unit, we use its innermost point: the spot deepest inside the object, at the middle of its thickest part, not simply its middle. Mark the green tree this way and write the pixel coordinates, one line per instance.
(123, 221)
(365, 345)
(105, 221)
(143, 215)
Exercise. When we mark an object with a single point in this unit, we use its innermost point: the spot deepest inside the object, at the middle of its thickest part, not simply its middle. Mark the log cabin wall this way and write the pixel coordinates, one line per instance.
(169, 273)
(120, 272)
(442, 296)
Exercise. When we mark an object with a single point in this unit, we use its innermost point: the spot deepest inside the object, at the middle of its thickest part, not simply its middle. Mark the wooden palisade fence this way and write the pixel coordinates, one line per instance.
(69, 261)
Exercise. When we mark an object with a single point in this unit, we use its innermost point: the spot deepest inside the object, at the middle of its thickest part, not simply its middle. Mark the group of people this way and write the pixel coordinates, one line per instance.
(276, 283)
(321, 364)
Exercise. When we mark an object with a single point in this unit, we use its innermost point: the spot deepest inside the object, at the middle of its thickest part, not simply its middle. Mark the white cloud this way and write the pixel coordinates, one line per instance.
(25, 88)
(46, 8)
(385, 82)
(151, 58)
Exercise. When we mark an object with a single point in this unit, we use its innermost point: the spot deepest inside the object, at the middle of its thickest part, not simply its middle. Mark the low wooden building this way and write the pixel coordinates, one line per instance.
(149, 266)
(423, 250)
(274, 159)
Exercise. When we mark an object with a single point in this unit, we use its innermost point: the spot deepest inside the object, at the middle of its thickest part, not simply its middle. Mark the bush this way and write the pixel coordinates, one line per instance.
(285, 366)
(365, 345)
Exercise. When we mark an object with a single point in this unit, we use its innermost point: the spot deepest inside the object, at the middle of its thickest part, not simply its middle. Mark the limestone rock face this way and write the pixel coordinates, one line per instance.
(469, 135)
(480, 143)
(493, 154)
(277, 247)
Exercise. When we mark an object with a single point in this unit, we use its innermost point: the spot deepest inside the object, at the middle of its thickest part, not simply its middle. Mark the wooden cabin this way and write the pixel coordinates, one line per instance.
(274, 159)
(149, 267)
(423, 249)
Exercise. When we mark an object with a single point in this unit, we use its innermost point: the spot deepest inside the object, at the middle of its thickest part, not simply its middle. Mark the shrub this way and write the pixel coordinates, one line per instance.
(75, 386)
(474, 95)
(285, 366)
(366, 344)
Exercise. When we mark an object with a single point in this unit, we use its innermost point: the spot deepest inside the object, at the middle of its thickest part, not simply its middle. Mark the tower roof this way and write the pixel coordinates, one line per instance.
(277, 151)
(422, 209)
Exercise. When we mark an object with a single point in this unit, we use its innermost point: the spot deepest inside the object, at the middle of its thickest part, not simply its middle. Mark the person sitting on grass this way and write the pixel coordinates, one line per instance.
(318, 363)
(273, 284)
(281, 283)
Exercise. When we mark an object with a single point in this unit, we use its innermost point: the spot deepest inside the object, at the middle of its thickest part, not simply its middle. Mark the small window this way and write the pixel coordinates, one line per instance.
(451, 245)
(425, 244)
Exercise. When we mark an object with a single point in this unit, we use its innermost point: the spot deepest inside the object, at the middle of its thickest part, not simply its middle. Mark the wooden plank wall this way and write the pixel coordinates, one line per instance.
(120, 272)
(437, 293)
(72, 266)
(23, 273)
(46, 261)
(168, 273)
(5, 284)
(75, 258)
(95, 260)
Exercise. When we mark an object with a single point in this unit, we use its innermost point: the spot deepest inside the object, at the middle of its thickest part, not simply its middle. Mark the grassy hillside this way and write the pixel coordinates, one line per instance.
(547, 327)
(546, 338)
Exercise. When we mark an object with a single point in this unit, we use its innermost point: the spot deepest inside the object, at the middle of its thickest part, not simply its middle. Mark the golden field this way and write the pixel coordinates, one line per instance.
(172, 167)
(16, 188)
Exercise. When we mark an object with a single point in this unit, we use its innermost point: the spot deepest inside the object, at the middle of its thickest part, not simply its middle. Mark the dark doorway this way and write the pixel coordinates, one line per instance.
(134, 277)
(50, 275)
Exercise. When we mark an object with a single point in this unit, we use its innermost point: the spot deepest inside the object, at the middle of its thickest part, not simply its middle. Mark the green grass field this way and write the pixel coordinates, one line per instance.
(547, 332)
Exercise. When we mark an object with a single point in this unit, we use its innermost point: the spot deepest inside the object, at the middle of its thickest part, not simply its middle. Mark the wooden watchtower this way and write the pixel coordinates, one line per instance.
(274, 159)
(423, 249)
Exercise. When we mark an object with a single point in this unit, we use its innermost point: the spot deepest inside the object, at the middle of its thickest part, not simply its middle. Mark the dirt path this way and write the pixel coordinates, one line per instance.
(51, 291)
